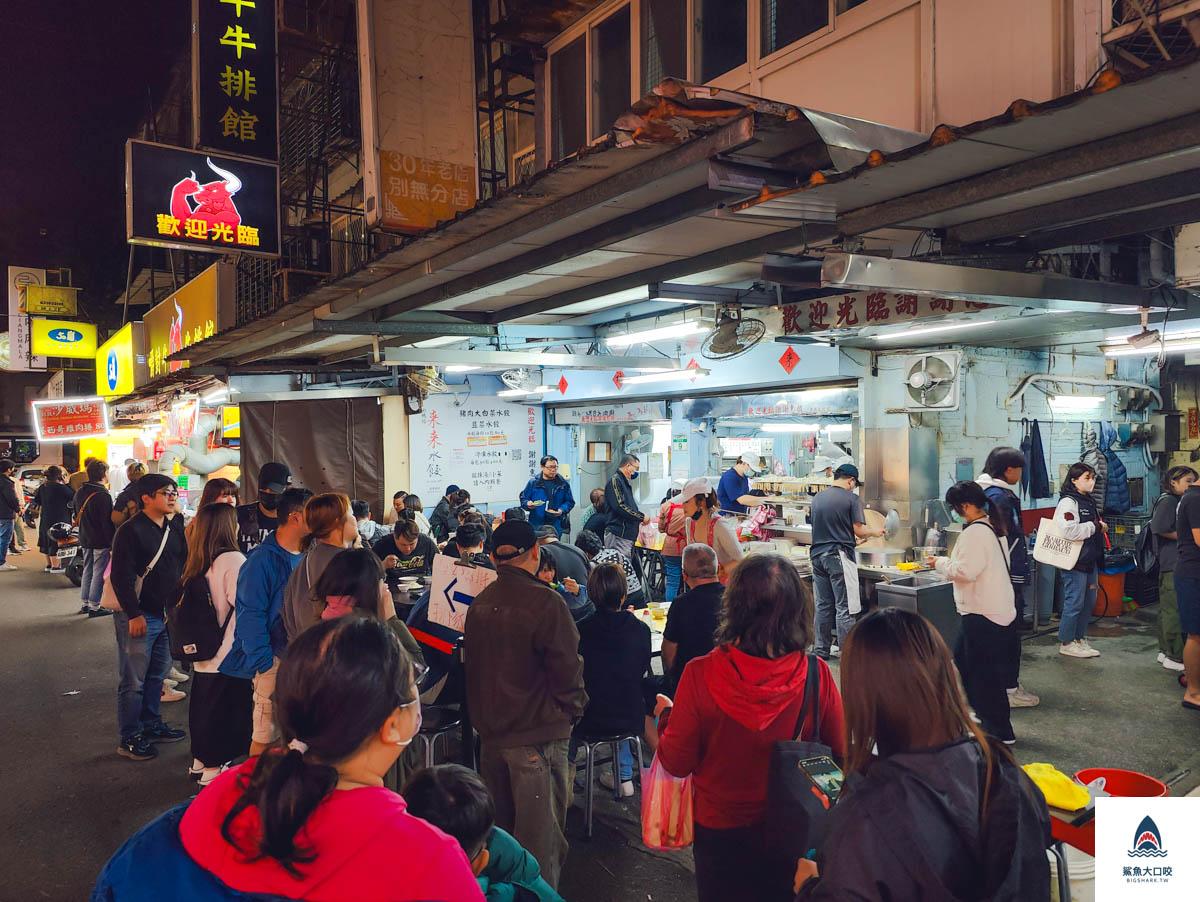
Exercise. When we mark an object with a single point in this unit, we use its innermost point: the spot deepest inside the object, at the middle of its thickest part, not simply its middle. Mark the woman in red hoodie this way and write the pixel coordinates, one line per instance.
(732, 705)
(314, 820)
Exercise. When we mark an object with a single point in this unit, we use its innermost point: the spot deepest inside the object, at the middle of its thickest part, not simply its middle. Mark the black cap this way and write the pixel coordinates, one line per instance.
(847, 470)
(547, 532)
(518, 534)
(274, 477)
(451, 489)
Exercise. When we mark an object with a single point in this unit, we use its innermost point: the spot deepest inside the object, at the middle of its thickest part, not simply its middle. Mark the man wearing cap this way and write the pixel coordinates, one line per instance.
(734, 486)
(838, 524)
(258, 519)
(525, 692)
(442, 522)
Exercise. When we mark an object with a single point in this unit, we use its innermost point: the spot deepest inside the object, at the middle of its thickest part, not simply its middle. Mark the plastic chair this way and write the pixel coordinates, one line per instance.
(590, 744)
(436, 722)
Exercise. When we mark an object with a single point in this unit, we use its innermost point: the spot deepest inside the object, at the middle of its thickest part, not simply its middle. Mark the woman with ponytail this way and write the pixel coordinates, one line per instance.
(309, 819)
(931, 807)
(332, 527)
(983, 593)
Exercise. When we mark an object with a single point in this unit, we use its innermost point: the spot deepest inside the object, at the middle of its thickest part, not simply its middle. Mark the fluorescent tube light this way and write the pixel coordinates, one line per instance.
(675, 330)
(440, 341)
(518, 392)
(212, 397)
(837, 427)
(790, 427)
(461, 368)
(930, 330)
(1067, 403)
(672, 375)
(1170, 347)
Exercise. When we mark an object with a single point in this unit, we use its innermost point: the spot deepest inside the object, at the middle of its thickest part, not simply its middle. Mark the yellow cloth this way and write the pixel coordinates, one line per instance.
(1059, 789)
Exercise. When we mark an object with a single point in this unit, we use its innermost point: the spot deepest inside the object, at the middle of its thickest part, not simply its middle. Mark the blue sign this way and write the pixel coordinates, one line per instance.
(68, 336)
(113, 370)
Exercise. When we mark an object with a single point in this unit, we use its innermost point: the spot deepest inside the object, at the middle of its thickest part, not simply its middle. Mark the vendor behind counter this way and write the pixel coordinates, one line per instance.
(734, 487)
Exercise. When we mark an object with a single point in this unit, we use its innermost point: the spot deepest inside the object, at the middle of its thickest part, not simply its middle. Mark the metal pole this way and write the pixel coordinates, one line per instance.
(128, 280)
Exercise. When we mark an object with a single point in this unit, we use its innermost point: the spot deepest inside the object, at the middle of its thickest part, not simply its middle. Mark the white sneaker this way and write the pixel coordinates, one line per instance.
(7, 566)
(606, 780)
(178, 675)
(1020, 698)
(172, 695)
(1073, 650)
(169, 683)
(1092, 653)
(208, 774)
(1172, 664)
(57, 570)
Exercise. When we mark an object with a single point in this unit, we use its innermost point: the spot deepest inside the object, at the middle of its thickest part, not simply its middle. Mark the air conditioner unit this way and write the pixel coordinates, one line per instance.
(931, 381)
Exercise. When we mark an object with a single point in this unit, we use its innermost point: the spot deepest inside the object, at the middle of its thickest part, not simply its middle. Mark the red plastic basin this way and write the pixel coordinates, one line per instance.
(1125, 783)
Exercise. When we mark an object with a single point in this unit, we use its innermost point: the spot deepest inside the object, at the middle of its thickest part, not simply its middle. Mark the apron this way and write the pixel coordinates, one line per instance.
(850, 574)
(689, 530)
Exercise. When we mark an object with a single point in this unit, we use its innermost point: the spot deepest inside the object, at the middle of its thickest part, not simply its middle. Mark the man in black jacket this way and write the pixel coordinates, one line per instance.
(93, 512)
(442, 522)
(10, 509)
(624, 518)
(148, 554)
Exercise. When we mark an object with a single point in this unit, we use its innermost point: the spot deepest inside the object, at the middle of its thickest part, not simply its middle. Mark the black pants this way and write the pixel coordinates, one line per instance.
(735, 864)
(1013, 676)
(984, 655)
(220, 717)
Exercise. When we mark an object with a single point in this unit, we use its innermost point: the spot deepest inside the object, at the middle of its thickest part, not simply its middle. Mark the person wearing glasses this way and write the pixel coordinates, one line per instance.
(547, 498)
(148, 547)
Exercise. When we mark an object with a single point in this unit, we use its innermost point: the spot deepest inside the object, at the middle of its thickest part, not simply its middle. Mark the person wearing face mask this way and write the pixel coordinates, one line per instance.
(734, 486)
(1078, 519)
(258, 519)
(704, 524)
(838, 524)
(624, 518)
(311, 819)
(331, 529)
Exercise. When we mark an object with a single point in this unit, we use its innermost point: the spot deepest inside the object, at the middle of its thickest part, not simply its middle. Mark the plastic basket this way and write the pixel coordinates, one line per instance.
(1123, 530)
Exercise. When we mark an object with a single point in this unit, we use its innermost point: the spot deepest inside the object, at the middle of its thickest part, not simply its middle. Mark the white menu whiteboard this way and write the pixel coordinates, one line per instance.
(488, 446)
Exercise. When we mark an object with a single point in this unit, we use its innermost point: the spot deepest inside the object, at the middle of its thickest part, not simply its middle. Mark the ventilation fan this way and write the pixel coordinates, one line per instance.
(520, 380)
(734, 335)
(931, 381)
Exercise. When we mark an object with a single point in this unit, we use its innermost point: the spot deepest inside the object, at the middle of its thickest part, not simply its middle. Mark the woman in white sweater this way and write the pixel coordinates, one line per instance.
(222, 707)
(983, 594)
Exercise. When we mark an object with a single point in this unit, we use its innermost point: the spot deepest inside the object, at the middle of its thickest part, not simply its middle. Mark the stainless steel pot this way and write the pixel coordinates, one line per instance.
(879, 557)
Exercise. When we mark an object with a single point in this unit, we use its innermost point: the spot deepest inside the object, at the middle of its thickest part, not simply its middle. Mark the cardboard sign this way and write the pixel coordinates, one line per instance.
(454, 588)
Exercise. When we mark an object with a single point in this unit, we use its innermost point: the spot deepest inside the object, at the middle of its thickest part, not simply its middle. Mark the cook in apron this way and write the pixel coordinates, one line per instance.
(850, 574)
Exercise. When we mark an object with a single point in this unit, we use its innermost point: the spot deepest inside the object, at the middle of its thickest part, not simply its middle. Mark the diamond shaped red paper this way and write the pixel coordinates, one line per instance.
(789, 360)
(618, 378)
(562, 385)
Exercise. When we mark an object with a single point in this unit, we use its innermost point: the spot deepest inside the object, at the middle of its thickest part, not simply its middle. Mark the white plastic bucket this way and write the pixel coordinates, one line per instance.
(1081, 869)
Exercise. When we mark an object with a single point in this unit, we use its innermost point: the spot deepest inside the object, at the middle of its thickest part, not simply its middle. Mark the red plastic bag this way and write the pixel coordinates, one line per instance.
(666, 809)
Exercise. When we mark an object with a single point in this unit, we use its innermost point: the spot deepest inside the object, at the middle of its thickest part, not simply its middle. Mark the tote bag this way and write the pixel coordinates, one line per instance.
(1054, 548)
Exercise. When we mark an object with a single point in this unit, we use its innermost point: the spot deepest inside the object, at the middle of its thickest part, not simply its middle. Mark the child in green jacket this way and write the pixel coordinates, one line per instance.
(455, 800)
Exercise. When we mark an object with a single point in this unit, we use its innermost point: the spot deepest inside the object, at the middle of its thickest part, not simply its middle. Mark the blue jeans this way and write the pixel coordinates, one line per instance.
(1079, 597)
(143, 662)
(832, 603)
(92, 587)
(624, 758)
(674, 570)
(6, 538)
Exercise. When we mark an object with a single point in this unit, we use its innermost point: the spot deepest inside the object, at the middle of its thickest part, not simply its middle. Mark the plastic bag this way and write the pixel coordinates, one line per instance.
(648, 535)
(666, 809)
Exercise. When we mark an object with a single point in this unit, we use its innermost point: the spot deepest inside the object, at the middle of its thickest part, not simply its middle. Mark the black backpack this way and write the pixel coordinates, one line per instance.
(192, 626)
(1145, 549)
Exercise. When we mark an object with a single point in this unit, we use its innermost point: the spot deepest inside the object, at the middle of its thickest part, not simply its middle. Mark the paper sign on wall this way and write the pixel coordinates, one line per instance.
(453, 589)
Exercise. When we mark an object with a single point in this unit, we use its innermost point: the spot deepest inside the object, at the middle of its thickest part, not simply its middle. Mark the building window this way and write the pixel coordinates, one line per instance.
(843, 5)
(568, 98)
(664, 41)
(787, 21)
(611, 70)
(720, 37)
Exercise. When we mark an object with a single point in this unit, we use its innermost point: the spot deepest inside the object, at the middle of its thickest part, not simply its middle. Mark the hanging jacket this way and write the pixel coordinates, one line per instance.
(1001, 494)
(1116, 491)
(909, 827)
(1034, 479)
(1094, 457)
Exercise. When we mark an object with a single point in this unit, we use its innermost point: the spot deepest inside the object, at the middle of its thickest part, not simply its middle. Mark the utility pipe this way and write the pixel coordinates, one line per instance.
(1107, 384)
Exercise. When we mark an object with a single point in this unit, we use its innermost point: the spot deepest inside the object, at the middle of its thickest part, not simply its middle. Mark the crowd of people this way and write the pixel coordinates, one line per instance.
(307, 687)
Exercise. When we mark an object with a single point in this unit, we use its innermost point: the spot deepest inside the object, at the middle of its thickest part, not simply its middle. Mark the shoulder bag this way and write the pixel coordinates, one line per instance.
(108, 599)
(796, 818)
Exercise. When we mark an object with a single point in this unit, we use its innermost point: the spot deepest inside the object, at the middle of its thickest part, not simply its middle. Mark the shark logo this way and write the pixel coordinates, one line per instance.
(1147, 841)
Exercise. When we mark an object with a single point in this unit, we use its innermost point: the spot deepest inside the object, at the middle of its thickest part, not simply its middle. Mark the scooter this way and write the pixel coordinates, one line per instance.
(69, 556)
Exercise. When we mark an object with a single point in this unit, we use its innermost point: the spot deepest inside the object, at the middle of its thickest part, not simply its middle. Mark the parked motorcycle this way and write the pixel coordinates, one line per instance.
(70, 556)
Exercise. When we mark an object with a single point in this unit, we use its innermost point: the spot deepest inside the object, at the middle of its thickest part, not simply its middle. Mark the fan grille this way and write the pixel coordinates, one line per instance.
(733, 336)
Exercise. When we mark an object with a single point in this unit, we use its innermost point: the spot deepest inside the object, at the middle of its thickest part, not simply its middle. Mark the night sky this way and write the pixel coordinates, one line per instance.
(76, 78)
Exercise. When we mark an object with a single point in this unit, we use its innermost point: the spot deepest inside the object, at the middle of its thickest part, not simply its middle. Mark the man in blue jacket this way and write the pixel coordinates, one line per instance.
(547, 499)
(259, 637)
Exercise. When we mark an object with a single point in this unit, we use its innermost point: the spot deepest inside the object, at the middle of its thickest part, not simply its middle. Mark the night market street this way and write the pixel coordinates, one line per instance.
(69, 802)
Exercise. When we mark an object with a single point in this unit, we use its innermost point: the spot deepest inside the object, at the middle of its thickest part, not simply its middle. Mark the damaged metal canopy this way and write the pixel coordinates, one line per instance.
(990, 286)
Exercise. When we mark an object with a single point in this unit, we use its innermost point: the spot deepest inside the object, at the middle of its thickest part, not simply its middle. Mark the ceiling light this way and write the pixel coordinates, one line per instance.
(1170, 347)
(212, 397)
(1063, 403)
(837, 427)
(675, 330)
(672, 375)
(439, 341)
(930, 330)
(461, 368)
(1123, 310)
(790, 427)
(517, 392)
